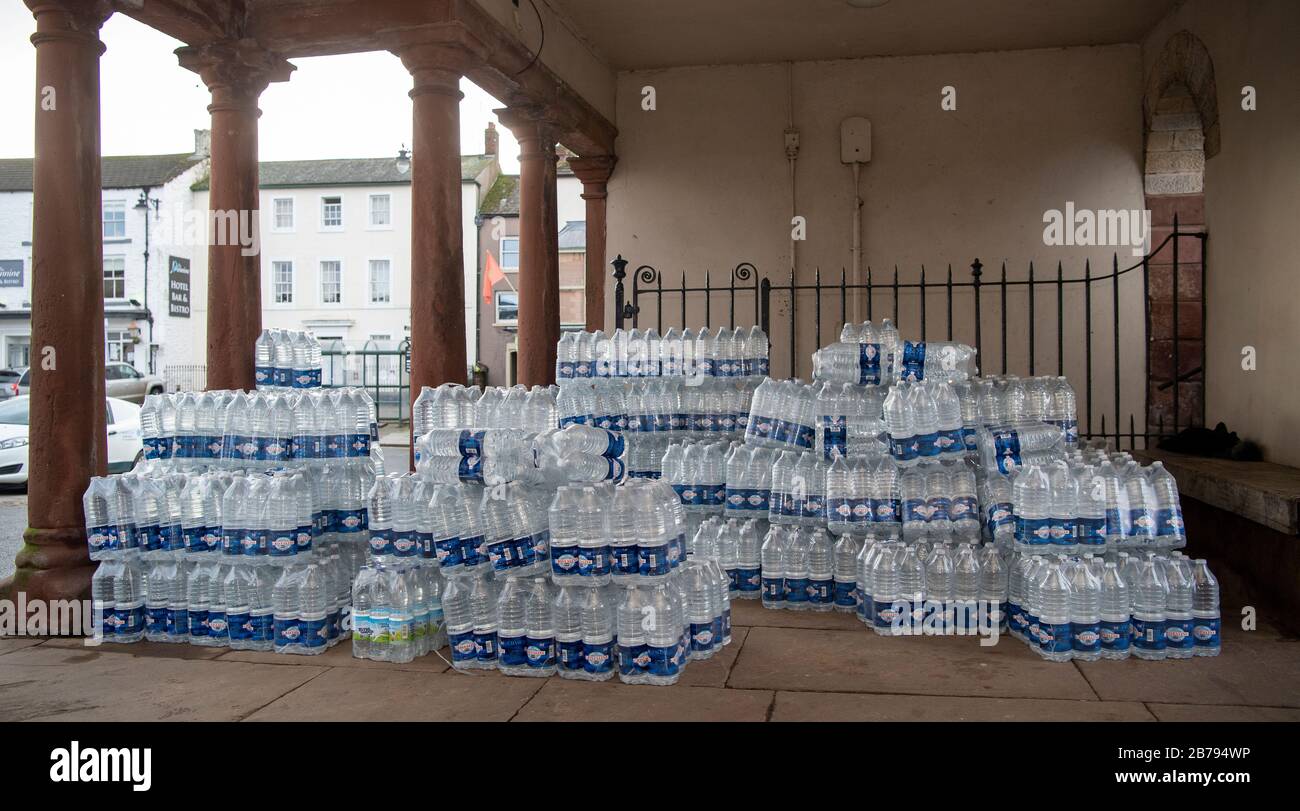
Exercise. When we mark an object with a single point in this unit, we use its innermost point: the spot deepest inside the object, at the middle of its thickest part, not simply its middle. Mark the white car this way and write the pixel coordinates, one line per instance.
(125, 447)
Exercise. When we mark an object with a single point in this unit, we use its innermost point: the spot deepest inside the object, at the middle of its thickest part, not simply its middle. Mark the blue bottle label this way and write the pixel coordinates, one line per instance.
(288, 631)
(1090, 531)
(598, 657)
(447, 551)
(796, 590)
(485, 646)
(511, 651)
(348, 521)
(913, 365)
(774, 589)
(1141, 522)
(156, 620)
(1115, 636)
(927, 446)
(1148, 634)
(846, 593)
(405, 544)
(1205, 632)
(463, 648)
(885, 612)
(963, 508)
(1169, 522)
(240, 624)
(950, 441)
(653, 560)
(1086, 637)
(540, 651)
(869, 364)
(1178, 634)
(568, 654)
(1034, 531)
(821, 592)
(565, 558)
(1054, 638)
(593, 561)
(198, 622)
(748, 581)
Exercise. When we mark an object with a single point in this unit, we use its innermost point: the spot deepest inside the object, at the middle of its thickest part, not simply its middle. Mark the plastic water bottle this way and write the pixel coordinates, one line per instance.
(1085, 613)
(1205, 610)
(891, 609)
(539, 622)
(994, 588)
(1115, 601)
(846, 552)
(1054, 600)
(773, 566)
(1180, 641)
(1032, 496)
(599, 626)
(1170, 531)
(1149, 602)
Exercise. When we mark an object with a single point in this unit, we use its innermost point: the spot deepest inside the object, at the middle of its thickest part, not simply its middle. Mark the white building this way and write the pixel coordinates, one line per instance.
(336, 250)
(147, 311)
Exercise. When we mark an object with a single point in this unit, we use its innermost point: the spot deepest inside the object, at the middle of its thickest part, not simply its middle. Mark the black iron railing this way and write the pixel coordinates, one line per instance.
(1087, 305)
(385, 372)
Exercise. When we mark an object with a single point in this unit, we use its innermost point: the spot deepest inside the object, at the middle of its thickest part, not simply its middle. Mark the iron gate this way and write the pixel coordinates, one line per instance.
(1090, 335)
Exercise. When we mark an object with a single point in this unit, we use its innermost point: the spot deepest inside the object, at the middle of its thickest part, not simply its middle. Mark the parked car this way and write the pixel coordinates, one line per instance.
(9, 383)
(121, 380)
(125, 445)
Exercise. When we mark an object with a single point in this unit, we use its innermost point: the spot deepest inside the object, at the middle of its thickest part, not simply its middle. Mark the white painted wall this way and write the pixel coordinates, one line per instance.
(168, 237)
(703, 183)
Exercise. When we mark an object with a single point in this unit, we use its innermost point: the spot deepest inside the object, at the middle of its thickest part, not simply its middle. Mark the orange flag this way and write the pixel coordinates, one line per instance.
(491, 275)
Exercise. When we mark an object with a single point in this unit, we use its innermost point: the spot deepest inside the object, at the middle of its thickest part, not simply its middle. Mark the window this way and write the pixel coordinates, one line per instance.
(331, 212)
(380, 282)
(282, 282)
(114, 220)
(510, 253)
(118, 346)
(114, 277)
(282, 213)
(18, 352)
(331, 282)
(507, 308)
(381, 214)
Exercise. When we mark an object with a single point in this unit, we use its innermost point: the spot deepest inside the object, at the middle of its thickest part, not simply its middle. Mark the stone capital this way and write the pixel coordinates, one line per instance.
(69, 20)
(536, 130)
(438, 55)
(594, 172)
(235, 71)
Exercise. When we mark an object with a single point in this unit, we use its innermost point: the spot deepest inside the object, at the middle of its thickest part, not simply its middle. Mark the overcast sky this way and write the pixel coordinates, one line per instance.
(352, 106)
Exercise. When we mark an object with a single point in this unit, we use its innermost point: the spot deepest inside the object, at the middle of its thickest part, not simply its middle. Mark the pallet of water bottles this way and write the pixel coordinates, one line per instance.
(725, 352)
(244, 525)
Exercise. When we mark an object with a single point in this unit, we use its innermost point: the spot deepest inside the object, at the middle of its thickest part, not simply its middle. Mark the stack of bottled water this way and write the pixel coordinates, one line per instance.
(1006, 400)
(781, 414)
(397, 610)
(907, 588)
(865, 354)
(724, 352)
(580, 453)
(287, 359)
(697, 474)
(484, 456)
(235, 430)
(243, 527)
(848, 420)
(452, 405)
(1152, 606)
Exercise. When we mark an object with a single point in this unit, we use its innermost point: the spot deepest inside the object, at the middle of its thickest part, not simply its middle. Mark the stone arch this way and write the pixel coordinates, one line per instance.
(1180, 132)
(1185, 60)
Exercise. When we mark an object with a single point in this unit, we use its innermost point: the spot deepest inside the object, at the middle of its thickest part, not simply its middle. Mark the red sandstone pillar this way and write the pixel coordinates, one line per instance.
(236, 73)
(539, 244)
(594, 172)
(67, 434)
(437, 245)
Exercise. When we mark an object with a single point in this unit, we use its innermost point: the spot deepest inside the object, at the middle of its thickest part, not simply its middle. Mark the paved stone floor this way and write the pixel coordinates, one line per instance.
(780, 666)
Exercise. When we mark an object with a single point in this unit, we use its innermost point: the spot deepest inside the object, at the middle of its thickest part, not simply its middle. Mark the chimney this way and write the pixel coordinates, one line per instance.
(202, 144)
(491, 139)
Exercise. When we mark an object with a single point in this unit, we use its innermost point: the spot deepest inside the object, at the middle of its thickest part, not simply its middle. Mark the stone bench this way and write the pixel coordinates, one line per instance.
(1262, 492)
(1245, 516)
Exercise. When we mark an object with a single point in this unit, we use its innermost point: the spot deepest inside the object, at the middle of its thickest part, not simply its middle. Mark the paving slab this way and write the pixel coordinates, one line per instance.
(751, 613)
(364, 694)
(1209, 712)
(861, 662)
(174, 650)
(13, 643)
(66, 684)
(863, 707)
(1254, 669)
(338, 656)
(713, 672)
(567, 700)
